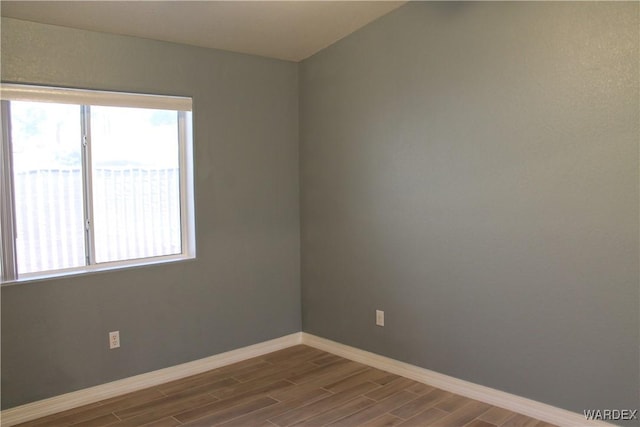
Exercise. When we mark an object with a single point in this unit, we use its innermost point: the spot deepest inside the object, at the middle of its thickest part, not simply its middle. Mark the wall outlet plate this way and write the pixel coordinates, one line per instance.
(379, 318)
(114, 340)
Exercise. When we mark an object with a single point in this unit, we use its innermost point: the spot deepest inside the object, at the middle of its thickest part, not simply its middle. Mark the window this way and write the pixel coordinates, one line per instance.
(93, 180)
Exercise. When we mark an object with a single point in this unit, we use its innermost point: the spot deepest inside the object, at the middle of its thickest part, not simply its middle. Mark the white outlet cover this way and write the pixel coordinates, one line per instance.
(114, 340)
(379, 318)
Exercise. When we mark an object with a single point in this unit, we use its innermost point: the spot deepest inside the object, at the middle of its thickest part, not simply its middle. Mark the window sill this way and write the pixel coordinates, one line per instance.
(98, 268)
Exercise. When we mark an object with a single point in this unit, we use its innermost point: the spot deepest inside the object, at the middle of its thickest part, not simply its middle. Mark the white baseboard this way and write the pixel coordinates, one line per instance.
(41, 408)
(488, 395)
(531, 408)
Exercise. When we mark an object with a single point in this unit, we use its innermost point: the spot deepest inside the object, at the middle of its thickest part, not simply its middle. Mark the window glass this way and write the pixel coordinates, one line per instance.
(136, 183)
(47, 179)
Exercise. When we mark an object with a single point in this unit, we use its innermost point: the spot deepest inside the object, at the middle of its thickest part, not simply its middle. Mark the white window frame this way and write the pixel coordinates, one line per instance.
(86, 99)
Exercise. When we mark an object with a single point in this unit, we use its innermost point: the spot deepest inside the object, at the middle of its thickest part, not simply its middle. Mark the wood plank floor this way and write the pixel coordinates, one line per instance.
(297, 386)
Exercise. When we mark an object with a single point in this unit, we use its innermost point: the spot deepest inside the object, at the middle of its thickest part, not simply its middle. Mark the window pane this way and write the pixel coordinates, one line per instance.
(47, 180)
(136, 191)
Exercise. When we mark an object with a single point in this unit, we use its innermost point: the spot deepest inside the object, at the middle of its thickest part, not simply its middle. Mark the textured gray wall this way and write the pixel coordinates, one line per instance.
(472, 169)
(243, 288)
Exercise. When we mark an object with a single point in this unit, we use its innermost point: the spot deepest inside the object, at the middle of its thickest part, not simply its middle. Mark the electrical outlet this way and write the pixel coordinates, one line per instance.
(379, 318)
(114, 340)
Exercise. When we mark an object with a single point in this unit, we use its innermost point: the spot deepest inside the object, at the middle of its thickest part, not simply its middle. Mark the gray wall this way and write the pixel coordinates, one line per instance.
(472, 169)
(244, 286)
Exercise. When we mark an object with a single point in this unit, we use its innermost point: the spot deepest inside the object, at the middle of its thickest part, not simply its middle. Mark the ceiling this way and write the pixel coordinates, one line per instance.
(290, 30)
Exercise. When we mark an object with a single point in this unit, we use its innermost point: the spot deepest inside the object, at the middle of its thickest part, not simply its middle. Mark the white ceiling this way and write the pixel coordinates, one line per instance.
(290, 30)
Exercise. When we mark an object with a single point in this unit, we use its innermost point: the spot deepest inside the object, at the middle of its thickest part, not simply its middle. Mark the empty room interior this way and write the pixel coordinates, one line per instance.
(320, 213)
